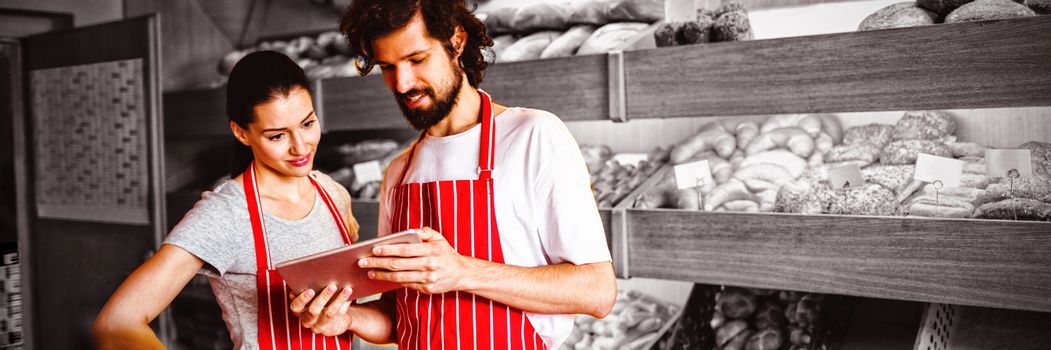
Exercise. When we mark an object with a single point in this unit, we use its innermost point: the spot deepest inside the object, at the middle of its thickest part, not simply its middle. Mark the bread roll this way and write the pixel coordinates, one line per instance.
(528, 48)
(732, 26)
(696, 32)
(966, 149)
(981, 10)
(541, 16)
(900, 15)
(665, 34)
(610, 37)
(567, 44)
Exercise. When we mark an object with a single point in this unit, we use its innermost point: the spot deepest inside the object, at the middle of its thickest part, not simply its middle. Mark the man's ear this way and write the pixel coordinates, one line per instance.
(240, 134)
(459, 40)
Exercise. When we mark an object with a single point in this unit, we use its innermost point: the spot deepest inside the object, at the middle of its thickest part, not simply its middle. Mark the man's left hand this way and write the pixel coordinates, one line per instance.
(431, 267)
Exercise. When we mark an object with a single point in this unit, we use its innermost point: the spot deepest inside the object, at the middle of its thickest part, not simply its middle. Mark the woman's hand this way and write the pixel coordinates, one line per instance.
(431, 267)
(323, 315)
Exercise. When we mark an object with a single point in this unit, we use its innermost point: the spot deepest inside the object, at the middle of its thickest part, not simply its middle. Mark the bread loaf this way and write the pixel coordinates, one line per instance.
(501, 43)
(610, 37)
(635, 10)
(1015, 208)
(924, 125)
(941, 7)
(905, 152)
(1041, 7)
(900, 15)
(588, 12)
(966, 149)
(871, 199)
(981, 10)
(863, 154)
(567, 44)
(878, 135)
(540, 16)
(529, 47)
(1040, 152)
(893, 177)
(498, 21)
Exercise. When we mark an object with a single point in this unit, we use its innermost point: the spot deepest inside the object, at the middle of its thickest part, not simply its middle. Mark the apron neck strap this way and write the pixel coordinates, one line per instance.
(255, 214)
(486, 148)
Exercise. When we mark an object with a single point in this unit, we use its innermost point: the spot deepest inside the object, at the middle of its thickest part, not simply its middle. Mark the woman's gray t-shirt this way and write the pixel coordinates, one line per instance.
(217, 230)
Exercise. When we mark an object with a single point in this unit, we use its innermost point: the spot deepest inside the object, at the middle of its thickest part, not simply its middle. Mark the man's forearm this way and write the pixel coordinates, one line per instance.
(374, 321)
(554, 289)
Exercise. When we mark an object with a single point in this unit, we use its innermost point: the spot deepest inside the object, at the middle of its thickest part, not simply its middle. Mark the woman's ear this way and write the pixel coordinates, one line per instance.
(240, 134)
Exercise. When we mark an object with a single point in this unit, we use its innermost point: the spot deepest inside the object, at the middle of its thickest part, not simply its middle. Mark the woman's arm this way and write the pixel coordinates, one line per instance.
(124, 323)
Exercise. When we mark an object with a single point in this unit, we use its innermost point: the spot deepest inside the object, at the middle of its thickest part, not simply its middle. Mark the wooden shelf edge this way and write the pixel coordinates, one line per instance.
(987, 263)
(985, 64)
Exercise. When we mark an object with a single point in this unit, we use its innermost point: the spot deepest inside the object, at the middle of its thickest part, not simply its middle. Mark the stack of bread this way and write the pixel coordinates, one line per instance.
(549, 30)
(323, 56)
(756, 319)
(612, 181)
(750, 159)
(727, 23)
(927, 12)
(887, 155)
(634, 324)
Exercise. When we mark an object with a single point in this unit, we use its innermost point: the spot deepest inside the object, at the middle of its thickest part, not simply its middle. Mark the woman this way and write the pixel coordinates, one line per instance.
(277, 209)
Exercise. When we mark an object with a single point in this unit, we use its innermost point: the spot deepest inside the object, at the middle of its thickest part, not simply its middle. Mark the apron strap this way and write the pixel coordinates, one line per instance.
(486, 148)
(255, 214)
(255, 205)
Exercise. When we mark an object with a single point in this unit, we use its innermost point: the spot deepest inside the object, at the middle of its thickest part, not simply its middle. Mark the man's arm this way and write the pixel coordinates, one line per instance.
(434, 267)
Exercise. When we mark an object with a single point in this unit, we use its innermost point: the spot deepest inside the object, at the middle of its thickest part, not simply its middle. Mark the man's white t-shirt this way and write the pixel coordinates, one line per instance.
(544, 206)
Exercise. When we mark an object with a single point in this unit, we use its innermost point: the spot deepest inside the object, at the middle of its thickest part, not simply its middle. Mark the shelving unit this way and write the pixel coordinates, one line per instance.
(989, 64)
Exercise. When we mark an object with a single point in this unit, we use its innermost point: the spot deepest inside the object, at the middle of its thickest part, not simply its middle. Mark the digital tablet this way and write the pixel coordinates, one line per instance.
(340, 267)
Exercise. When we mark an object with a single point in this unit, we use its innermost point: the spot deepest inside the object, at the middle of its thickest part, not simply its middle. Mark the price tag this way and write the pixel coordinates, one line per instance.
(846, 176)
(1000, 162)
(695, 174)
(933, 168)
(368, 172)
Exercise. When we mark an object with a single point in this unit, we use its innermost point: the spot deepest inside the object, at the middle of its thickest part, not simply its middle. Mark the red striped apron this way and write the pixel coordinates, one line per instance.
(278, 327)
(462, 210)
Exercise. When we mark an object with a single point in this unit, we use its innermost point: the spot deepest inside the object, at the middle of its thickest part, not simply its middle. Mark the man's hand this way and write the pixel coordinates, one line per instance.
(431, 267)
(319, 314)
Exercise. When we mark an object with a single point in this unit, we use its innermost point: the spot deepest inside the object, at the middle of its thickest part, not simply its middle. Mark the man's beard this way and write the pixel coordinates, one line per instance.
(424, 118)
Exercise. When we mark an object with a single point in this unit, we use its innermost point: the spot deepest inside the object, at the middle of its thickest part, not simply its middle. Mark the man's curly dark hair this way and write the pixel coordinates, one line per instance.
(366, 20)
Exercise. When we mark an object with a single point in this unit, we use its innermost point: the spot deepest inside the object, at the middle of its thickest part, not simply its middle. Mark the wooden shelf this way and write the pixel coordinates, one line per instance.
(949, 66)
(1002, 264)
(573, 88)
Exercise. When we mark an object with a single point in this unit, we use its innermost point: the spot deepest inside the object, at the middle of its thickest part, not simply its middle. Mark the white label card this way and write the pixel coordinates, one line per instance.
(694, 174)
(847, 176)
(1000, 162)
(368, 172)
(933, 168)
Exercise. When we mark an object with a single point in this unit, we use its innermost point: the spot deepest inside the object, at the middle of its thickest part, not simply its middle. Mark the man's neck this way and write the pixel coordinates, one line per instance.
(463, 116)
